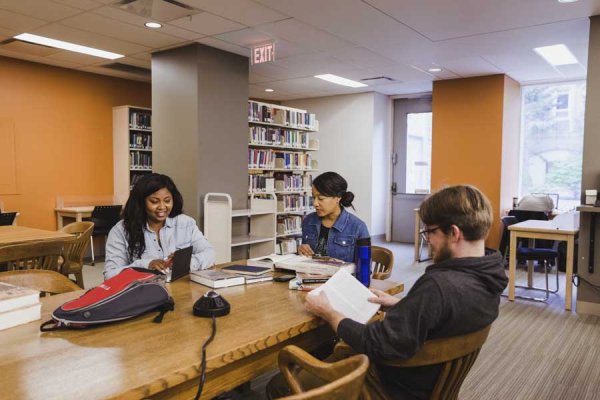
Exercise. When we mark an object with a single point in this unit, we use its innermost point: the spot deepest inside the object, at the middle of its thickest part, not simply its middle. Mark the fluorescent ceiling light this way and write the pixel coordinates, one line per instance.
(59, 44)
(339, 80)
(435, 69)
(558, 54)
(567, 1)
(269, 90)
(153, 25)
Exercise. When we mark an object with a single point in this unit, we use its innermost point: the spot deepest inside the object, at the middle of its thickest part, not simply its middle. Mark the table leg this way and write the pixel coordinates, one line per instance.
(512, 265)
(531, 244)
(78, 217)
(59, 220)
(569, 272)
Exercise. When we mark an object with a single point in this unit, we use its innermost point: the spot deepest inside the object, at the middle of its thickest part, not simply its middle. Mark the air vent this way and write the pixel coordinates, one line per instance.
(132, 69)
(158, 10)
(378, 78)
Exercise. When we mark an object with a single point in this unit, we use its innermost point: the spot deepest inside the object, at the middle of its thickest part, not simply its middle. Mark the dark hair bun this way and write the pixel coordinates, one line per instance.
(347, 199)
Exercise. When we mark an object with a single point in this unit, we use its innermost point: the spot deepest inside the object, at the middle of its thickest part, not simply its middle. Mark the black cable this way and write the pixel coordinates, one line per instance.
(577, 280)
(203, 363)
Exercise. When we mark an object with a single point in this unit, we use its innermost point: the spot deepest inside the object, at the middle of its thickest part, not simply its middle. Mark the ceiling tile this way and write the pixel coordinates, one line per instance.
(78, 58)
(246, 37)
(38, 59)
(117, 74)
(28, 48)
(159, 10)
(124, 16)
(220, 44)
(61, 32)
(406, 88)
(313, 64)
(119, 30)
(207, 24)
(44, 10)
(136, 61)
(82, 4)
(360, 56)
(295, 31)
(145, 56)
(246, 12)
(471, 66)
(17, 22)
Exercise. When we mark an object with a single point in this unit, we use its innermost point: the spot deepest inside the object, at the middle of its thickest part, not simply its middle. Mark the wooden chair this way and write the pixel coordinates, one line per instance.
(457, 354)
(382, 261)
(74, 251)
(45, 281)
(345, 377)
(33, 255)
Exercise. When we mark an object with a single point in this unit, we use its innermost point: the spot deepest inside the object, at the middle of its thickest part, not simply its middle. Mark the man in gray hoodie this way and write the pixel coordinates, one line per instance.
(458, 294)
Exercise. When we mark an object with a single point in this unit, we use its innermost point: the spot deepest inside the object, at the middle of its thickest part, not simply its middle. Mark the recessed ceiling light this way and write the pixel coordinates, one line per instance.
(558, 54)
(435, 69)
(153, 25)
(269, 90)
(567, 1)
(59, 44)
(340, 81)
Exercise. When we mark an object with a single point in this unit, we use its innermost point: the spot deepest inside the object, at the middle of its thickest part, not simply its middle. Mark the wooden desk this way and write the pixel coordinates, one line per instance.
(139, 359)
(550, 230)
(72, 212)
(19, 234)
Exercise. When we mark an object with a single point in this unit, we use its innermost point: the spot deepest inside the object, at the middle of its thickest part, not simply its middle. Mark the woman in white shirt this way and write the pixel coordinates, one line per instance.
(152, 228)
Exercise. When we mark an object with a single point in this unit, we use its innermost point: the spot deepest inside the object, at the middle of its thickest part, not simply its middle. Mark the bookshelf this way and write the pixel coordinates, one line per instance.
(281, 160)
(132, 147)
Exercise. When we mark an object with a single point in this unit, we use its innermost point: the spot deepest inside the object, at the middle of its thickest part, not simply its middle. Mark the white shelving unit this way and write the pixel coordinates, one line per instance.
(132, 147)
(240, 234)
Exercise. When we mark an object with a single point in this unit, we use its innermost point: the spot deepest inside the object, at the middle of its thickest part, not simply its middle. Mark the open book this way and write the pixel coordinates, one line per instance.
(269, 261)
(320, 266)
(348, 296)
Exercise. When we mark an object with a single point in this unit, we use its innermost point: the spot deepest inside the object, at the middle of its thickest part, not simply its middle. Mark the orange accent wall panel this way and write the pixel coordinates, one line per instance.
(62, 121)
(467, 138)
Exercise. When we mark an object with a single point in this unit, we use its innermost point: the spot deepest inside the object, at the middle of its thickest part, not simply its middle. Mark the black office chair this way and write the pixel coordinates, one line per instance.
(7, 218)
(104, 218)
(547, 257)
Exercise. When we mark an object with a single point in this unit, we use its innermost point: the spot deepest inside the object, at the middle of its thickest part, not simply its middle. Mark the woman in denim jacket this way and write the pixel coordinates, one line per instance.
(331, 230)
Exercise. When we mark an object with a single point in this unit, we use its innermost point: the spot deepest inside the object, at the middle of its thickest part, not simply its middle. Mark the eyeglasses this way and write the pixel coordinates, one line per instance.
(426, 232)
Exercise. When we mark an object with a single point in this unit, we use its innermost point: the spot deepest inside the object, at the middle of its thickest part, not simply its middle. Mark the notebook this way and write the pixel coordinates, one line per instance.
(181, 264)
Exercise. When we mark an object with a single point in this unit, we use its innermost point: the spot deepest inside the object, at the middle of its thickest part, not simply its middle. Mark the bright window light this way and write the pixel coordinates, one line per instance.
(339, 80)
(559, 54)
(59, 44)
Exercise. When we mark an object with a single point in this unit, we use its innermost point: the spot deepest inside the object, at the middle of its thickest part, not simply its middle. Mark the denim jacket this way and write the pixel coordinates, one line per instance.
(342, 235)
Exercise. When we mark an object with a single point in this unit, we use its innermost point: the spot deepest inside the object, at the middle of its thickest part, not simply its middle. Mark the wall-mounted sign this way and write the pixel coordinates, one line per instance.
(263, 53)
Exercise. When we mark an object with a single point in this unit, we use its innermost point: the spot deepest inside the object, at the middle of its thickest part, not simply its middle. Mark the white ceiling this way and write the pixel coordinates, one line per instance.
(357, 39)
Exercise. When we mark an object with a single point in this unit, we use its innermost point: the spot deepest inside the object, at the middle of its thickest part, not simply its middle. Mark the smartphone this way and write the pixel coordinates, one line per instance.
(284, 278)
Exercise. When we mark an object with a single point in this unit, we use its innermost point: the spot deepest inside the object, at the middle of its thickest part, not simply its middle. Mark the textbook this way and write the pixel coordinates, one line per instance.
(311, 278)
(246, 270)
(320, 266)
(13, 297)
(20, 316)
(269, 261)
(216, 279)
(348, 296)
(250, 279)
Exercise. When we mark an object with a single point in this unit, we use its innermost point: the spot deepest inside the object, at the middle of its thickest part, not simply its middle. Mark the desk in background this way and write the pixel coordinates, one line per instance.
(138, 359)
(563, 230)
(72, 212)
(19, 234)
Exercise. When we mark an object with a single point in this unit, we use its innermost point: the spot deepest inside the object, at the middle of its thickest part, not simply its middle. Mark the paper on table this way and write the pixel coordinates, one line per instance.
(348, 296)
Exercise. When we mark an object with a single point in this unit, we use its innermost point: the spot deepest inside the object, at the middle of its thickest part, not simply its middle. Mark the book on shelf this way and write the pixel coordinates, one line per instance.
(13, 297)
(252, 270)
(216, 279)
(288, 246)
(348, 296)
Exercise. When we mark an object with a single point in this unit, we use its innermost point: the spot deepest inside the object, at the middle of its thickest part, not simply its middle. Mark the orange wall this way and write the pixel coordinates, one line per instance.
(467, 138)
(63, 132)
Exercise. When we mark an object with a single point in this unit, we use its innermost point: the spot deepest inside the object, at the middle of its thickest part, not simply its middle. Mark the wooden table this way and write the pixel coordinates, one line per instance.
(72, 212)
(534, 229)
(13, 234)
(139, 359)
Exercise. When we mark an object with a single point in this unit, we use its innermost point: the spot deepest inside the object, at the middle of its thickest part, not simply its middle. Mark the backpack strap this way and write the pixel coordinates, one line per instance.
(163, 309)
(51, 325)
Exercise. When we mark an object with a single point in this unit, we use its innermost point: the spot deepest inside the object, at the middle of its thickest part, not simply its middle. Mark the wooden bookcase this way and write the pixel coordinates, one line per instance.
(132, 147)
(281, 161)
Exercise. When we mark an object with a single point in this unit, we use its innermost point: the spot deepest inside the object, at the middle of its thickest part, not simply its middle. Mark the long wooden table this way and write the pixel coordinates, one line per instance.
(140, 359)
(13, 234)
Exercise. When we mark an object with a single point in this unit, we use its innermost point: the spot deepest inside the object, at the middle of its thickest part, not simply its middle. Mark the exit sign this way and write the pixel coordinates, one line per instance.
(263, 53)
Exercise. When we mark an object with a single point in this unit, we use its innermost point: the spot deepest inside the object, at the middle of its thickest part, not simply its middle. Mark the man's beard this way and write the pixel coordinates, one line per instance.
(442, 253)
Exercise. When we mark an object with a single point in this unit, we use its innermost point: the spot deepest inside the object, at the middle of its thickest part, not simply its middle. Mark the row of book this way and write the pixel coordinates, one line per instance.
(139, 140)
(260, 135)
(289, 224)
(269, 113)
(294, 203)
(261, 183)
(292, 183)
(140, 120)
(139, 160)
(260, 158)
(288, 245)
(18, 305)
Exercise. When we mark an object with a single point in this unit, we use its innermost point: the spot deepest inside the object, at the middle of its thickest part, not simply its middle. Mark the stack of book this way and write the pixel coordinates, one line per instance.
(18, 305)
(292, 262)
(231, 276)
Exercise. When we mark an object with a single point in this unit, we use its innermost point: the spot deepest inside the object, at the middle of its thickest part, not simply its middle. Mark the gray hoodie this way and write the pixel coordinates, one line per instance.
(453, 297)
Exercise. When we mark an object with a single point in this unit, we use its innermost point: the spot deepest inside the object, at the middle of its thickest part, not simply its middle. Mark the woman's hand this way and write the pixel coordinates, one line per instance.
(305, 250)
(383, 298)
(161, 265)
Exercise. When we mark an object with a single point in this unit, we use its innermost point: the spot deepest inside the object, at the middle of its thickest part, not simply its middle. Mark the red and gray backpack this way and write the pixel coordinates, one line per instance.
(132, 292)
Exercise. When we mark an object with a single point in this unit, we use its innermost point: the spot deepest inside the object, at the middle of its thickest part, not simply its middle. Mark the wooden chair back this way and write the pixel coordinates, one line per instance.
(457, 355)
(32, 255)
(45, 281)
(345, 377)
(7, 218)
(74, 251)
(382, 262)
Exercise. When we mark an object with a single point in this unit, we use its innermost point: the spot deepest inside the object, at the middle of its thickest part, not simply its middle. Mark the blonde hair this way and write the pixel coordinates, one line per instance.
(462, 205)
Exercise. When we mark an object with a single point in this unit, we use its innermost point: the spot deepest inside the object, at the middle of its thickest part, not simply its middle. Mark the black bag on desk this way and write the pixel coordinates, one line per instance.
(132, 292)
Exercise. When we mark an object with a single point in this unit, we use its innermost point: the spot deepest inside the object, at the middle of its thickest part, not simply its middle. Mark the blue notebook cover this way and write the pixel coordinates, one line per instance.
(246, 270)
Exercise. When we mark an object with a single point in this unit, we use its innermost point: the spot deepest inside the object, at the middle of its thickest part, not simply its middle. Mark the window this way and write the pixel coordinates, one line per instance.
(552, 141)
(418, 152)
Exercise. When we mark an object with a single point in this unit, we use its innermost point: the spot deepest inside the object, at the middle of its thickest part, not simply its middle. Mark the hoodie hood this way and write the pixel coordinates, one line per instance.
(489, 269)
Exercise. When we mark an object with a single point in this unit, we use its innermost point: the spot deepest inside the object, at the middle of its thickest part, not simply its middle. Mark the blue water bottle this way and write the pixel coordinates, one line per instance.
(363, 261)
